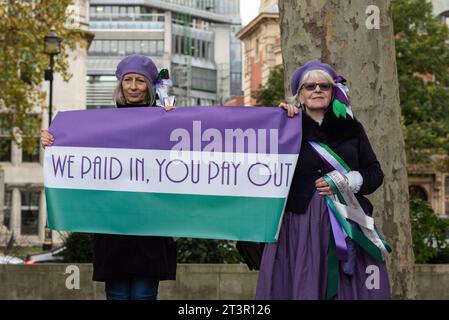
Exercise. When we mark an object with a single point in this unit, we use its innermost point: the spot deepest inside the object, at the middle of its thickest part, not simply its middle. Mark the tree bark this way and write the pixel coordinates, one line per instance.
(335, 32)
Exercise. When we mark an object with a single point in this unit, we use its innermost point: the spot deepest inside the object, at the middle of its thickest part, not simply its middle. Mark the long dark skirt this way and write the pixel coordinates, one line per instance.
(295, 268)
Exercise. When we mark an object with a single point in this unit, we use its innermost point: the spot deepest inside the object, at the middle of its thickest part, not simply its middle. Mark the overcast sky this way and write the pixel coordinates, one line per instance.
(249, 10)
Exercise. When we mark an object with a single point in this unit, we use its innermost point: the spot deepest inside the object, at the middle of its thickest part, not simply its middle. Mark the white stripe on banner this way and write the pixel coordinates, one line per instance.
(162, 171)
(329, 158)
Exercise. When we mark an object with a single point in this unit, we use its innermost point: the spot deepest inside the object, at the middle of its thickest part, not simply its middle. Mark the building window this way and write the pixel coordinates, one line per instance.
(204, 79)
(30, 212)
(32, 157)
(5, 149)
(126, 47)
(7, 208)
(444, 17)
(417, 192)
(446, 195)
(5, 140)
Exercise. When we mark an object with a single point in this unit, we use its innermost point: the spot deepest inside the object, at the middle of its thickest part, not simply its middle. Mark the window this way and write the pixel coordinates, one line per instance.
(204, 80)
(143, 47)
(446, 197)
(32, 157)
(203, 50)
(123, 11)
(417, 192)
(152, 50)
(7, 208)
(5, 141)
(114, 47)
(121, 48)
(106, 46)
(5, 149)
(160, 48)
(30, 212)
(129, 47)
(125, 47)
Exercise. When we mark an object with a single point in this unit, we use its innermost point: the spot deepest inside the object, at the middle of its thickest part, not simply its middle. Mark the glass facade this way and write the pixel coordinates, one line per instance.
(7, 208)
(207, 5)
(30, 212)
(191, 35)
(198, 48)
(228, 7)
(201, 79)
(99, 91)
(225, 7)
(236, 63)
(126, 47)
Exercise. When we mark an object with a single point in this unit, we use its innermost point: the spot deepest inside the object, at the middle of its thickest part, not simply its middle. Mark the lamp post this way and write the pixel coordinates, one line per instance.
(52, 47)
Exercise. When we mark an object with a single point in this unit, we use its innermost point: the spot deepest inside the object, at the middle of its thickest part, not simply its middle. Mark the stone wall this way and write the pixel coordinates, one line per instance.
(216, 282)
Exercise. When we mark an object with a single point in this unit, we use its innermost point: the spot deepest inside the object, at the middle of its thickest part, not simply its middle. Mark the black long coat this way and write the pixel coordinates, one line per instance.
(120, 256)
(347, 138)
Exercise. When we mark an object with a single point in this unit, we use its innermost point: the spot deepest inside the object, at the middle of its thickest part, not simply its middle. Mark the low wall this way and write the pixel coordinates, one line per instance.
(432, 281)
(194, 281)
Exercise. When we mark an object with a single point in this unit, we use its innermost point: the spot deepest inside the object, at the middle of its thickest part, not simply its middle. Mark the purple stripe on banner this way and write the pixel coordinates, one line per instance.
(151, 128)
(339, 237)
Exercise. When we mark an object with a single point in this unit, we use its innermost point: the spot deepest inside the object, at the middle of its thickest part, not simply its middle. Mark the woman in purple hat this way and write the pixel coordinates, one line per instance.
(328, 247)
(132, 266)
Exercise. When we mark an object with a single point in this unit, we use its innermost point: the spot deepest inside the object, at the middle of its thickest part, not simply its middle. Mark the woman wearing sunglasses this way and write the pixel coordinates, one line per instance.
(328, 247)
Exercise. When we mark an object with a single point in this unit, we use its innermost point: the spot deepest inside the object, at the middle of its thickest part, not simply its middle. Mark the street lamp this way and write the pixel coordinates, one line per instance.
(52, 47)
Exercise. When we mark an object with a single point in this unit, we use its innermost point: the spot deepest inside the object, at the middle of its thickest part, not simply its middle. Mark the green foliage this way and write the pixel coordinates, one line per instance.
(23, 25)
(79, 248)
(272, 93)
(207, 251)
(429, 231)
(422, 50)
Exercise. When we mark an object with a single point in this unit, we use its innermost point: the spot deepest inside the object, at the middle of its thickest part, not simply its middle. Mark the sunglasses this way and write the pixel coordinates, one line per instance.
(324, 86)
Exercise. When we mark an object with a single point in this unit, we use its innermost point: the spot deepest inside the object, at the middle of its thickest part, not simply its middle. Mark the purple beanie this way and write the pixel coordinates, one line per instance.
(311, 65)
(137, 64)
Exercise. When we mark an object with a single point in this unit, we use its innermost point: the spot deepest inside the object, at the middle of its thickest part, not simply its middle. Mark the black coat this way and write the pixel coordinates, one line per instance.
(120, 256)
(347, 138)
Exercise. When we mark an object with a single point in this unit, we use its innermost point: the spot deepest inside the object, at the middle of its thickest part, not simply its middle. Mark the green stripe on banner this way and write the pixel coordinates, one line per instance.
(335, 189)
(383, 240)
(336, 156)
(356, 235)
(332, 268)
(133, 213)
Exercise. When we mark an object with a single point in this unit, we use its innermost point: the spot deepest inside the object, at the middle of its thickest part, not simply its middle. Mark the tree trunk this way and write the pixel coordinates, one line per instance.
(335, 31)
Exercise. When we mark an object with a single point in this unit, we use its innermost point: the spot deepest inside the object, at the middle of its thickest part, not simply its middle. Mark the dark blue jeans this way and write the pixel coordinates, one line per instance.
(134, 288)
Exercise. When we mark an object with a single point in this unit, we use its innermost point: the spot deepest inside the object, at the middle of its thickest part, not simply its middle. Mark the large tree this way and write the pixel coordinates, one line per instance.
(336, 32)
(23, 25)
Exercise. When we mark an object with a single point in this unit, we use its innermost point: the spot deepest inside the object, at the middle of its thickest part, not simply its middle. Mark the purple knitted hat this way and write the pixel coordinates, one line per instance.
(311, 65)
(137, 64)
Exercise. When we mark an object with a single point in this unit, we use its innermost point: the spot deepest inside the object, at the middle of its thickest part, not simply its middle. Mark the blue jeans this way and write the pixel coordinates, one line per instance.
(134, 288)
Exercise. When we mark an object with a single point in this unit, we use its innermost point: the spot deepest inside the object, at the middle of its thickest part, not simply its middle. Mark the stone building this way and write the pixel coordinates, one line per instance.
(24, 213)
